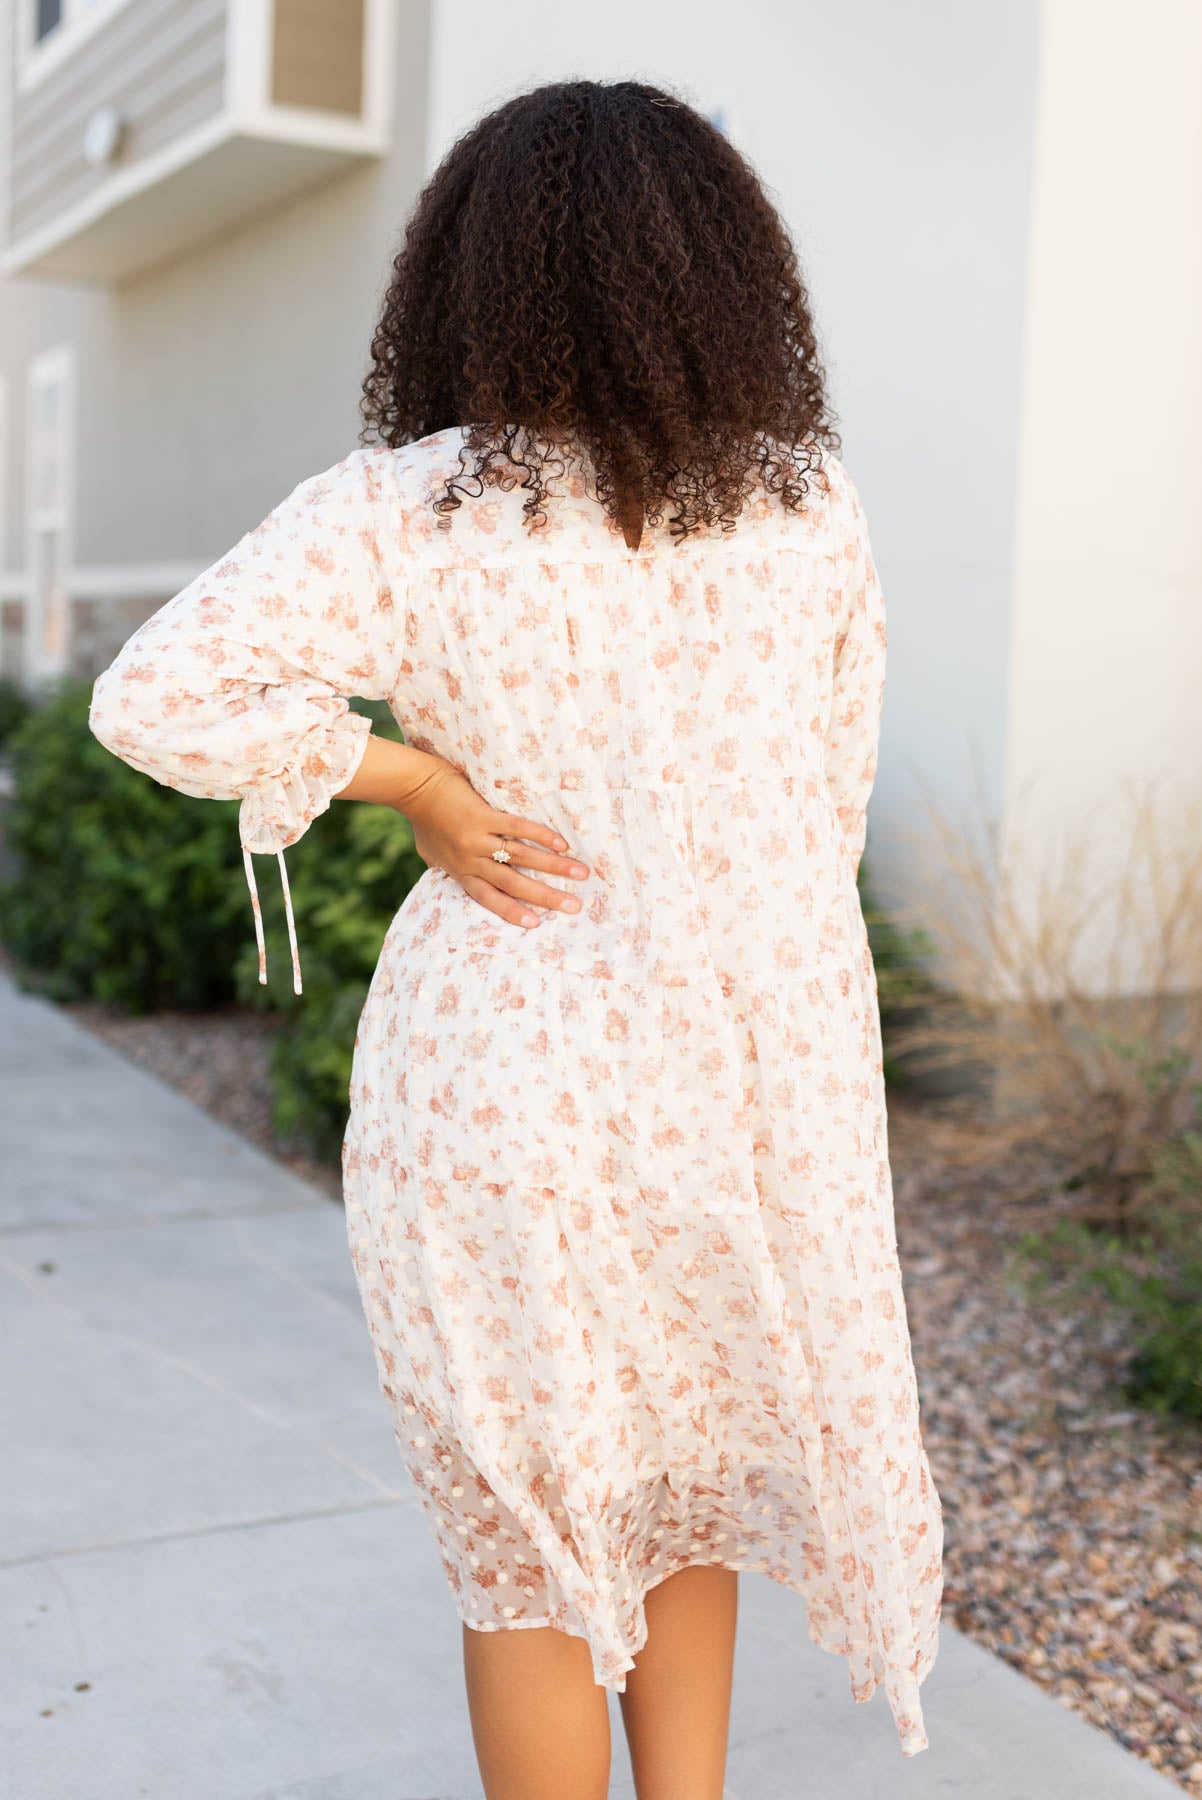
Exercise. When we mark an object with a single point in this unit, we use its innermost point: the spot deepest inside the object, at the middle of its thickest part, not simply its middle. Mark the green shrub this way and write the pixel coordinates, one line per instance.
(14, 708)
(124, 890)
(129, 892)
(1151, 1276)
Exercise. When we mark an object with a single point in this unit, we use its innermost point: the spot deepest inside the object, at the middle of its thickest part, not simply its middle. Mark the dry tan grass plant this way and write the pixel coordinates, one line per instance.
(1072, 990)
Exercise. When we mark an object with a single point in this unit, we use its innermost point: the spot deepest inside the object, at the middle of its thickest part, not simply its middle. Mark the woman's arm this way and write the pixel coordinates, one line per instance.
(238, 688)
(454, 828)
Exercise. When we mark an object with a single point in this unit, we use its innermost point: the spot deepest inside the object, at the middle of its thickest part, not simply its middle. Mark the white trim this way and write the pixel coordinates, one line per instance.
(146, 173)
(46, 369)
(134, 581)
(249, 41)
(56, 518)
(248, 37)
(82, 19)
(306, 125)
(380, 39)
(4, 573)
(114, 581)
(4, 472)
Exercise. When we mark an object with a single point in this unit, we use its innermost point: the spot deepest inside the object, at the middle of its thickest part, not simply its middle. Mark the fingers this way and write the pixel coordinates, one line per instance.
(531, 857)
(521, 856)
(525, 888)
(495, 900)
(500, 888)
(512, 826)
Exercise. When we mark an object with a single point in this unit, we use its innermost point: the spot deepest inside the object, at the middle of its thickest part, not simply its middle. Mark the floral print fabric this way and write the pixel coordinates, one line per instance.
(617, 1188)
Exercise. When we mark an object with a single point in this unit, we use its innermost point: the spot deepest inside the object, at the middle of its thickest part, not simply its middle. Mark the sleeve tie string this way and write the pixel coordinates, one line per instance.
(248, 865)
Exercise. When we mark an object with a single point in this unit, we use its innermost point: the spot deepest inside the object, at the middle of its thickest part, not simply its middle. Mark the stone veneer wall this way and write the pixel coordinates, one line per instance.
(99, 628)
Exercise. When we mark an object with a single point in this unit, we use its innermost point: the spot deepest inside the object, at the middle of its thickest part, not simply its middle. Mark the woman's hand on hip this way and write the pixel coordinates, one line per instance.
(456, 830)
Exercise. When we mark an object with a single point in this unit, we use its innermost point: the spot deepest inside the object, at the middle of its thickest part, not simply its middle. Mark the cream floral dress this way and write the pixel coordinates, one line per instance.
(617, 1188)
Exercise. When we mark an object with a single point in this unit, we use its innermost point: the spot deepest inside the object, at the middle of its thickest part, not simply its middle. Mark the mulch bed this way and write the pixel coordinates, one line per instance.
(1073, 1521)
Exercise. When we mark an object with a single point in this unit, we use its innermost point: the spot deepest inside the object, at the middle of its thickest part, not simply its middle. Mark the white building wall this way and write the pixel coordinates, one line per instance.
(1008, 314)
(212, 385)
(1106, 625)
(896, 141)
(206, 389)
(233, 372)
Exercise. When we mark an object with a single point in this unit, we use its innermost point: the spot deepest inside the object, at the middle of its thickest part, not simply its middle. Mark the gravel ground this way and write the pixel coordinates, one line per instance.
(1073, 1522)
(220, 1060)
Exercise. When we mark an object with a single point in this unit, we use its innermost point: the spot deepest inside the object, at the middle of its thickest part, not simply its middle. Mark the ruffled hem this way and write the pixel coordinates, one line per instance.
(278, 810)
(588, 1573)
(903, 1697)
(660, 1399)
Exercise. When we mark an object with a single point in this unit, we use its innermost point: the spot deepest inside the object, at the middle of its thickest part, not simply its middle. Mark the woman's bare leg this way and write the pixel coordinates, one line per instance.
(676, 1708)
(540, 1722)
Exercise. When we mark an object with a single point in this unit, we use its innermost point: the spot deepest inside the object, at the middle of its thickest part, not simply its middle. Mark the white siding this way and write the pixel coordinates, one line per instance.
(159, 63)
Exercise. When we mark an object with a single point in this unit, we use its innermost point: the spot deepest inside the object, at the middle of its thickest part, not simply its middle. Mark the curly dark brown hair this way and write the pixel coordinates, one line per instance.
(594, 265)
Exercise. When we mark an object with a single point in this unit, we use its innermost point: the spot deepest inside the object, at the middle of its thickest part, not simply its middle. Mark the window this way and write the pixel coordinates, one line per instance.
(51, 30)
(48, 473)
(49, 14)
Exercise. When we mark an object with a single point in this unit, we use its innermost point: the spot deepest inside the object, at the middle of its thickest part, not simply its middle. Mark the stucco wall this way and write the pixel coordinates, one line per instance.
(897, 141)
(1106, 628)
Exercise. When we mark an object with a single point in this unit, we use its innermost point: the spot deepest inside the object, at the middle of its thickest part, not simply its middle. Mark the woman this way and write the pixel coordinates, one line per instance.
(616, 1171)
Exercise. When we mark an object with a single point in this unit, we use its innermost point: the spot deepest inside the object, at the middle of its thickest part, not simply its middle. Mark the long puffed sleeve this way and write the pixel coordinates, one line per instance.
(238, 687)
(853, 729)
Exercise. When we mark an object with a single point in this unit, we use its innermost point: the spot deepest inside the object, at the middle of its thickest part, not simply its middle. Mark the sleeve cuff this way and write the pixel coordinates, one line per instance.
(278, 810)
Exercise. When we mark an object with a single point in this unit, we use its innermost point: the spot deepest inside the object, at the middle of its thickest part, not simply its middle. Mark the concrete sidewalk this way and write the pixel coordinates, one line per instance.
(216, 1584)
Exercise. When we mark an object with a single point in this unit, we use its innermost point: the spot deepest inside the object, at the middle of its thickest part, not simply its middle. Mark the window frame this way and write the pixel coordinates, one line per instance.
(54, 519)
(4, 477)
(39, 57)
